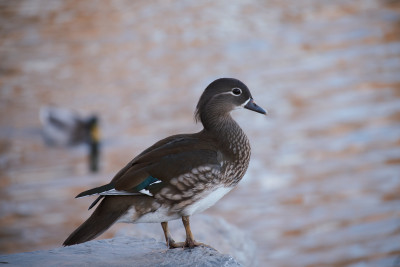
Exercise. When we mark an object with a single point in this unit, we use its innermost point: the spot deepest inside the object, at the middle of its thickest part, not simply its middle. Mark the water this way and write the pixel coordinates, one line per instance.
(323, 185)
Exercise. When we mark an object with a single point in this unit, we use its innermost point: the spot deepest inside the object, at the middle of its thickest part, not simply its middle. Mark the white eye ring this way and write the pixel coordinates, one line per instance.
(236, 91)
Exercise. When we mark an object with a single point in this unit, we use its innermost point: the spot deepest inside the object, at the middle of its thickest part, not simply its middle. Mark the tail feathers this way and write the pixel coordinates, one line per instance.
(105, 215)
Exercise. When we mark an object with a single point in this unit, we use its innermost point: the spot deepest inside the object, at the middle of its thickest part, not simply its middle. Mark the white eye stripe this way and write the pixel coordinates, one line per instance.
(230, 93)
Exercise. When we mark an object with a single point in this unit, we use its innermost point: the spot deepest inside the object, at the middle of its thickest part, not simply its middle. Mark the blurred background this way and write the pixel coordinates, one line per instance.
(323, 186)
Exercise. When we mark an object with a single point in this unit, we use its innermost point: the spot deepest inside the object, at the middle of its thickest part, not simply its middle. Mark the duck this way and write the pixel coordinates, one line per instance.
(180, 175)
(64, 127)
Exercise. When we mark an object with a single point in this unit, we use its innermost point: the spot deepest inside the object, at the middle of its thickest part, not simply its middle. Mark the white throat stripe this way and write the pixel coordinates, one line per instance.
(245, 103)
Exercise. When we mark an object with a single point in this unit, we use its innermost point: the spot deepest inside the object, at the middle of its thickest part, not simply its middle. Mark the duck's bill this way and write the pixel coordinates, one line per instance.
(254, 107)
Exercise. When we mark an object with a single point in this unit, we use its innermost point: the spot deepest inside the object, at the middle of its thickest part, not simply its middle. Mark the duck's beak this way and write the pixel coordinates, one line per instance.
(254, 107)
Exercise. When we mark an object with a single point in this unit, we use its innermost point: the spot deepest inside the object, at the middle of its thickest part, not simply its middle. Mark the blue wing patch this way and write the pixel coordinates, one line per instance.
(147, 182)
(109, 189)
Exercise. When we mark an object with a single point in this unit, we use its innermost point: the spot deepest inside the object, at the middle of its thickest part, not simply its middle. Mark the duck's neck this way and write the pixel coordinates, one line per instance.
(229, 134)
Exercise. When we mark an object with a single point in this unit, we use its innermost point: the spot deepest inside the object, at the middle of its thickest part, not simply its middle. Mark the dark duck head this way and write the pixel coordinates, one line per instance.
(220, 98)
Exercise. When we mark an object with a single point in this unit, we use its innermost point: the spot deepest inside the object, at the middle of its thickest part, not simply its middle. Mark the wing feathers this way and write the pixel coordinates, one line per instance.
(96, 191)
(95, 202)
(154, 167)
(131, 179)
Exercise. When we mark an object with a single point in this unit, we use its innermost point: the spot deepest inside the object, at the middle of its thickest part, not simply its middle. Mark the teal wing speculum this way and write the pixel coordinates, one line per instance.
(142, 188)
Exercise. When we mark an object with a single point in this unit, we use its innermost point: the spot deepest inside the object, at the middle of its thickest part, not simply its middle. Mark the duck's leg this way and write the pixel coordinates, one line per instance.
(190, 242)
(168, 238)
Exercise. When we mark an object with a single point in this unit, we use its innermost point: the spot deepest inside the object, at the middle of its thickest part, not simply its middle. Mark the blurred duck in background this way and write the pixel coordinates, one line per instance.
(66, 128)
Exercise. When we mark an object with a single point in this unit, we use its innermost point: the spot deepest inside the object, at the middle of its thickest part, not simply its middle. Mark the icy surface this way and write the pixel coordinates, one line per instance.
(120, 251)
(213, 231)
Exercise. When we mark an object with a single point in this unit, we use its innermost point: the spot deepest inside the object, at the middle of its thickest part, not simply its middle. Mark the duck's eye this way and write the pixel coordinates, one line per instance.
(236, 91)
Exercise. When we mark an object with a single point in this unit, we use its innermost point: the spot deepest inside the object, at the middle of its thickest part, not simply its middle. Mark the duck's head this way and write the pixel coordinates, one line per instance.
(224, 95)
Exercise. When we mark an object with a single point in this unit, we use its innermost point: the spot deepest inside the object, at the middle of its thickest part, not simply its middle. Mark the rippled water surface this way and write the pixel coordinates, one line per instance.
(323, 186)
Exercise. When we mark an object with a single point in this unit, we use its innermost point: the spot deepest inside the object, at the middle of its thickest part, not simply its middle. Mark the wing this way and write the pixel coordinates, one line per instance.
(167, 159)
(166, 167)
(158, 164)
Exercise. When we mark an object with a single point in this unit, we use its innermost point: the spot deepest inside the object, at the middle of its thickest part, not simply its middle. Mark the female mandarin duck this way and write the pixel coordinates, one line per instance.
(180, 175)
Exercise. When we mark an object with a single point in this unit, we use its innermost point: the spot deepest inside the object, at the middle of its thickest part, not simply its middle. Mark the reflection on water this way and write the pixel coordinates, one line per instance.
(323, 187)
